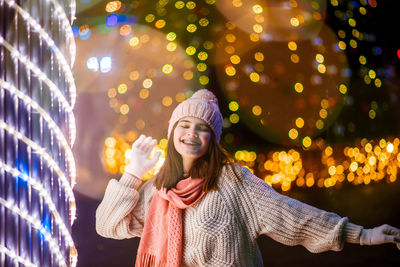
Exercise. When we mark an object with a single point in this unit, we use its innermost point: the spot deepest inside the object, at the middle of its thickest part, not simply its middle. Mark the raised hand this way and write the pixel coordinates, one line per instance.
(140, 152)
(380, 235)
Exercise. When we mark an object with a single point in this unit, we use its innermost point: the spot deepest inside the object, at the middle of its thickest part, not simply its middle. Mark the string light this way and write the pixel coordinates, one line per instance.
(54, 248)
(41, 151)
(47, 199)
(50, 42)
(16, 258)
(44, 78)
(53, 126)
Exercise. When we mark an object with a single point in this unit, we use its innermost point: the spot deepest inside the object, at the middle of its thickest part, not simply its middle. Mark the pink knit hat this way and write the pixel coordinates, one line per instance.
(203, 105)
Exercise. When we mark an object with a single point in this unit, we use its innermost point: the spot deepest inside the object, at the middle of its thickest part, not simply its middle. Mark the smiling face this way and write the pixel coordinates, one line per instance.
(191, 139)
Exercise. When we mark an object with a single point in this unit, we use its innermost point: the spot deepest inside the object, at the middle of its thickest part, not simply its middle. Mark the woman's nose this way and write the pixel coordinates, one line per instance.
(192, 132)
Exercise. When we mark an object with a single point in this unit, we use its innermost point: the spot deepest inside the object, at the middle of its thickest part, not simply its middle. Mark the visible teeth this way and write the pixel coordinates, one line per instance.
(189, 142)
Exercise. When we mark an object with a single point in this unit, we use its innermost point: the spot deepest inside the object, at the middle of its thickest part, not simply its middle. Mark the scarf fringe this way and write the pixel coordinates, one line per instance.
(148, 260)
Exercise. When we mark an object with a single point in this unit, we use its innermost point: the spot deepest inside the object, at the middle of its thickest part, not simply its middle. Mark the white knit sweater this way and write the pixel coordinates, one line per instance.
(221, 230)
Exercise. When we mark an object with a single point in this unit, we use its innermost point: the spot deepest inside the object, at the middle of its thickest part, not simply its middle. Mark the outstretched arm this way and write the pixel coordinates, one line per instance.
(292, 222)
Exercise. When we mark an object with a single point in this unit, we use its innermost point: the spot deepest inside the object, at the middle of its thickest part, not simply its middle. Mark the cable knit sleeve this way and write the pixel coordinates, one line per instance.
(292, 222)
(122, 211)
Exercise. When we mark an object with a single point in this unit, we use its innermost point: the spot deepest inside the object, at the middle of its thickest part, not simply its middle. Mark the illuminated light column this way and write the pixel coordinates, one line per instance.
(37, 131)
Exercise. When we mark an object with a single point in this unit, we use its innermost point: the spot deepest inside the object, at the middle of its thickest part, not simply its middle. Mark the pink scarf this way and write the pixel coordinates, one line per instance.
(161, 241)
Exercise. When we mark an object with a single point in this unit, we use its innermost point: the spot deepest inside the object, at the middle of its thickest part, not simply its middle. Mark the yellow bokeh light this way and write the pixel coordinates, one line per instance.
(190, 50)
(236, 3)
(257, 28)
(201, 67)
(294, 58)
(368, 147)
(167, 69)
(254, 77)
(203, 79)
(230, 38)
(160, 24)
(342, 34)
(362, 10)
(390, 147)
(110, 141)
(230, 70)
(332, 170)
(257, 110)
(257, 9)
(324, 103)
(134, 75)
(229, 49)
(147, 83)
(179, 97)
(125, 30)
(235, 59)
(122, 88)
(179, 4)
(134, 41)
(112, 93)
(259, 56)
(362, 60)
(293, 134)
(171, 36)
(113, 6)
(190, 5)
(372, 160)
(208, 45)
(140, 124)
(298, 87)
(321, 68)
(372, 74)
(202, 55)
(124, 109)
(319, 124)
(191, 28)
(294, 22)
(233, 106)
(342, 45)
(328, 151)
(144, 93)
(343, 89)
(353, 43)
(203, 22)
(353, 166)
(188, 75)
(323, 113)
(254, 37)
(171, 46)
(378, 83)
(234, 118)
(167, 101)
(149, 18)
(372, 114)
(352, 22)
(307, 141)
(319, 58)
(299, 122)
(292, 46)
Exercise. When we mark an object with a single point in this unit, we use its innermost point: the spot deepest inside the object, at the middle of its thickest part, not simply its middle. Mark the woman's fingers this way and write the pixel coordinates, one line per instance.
(139, 141)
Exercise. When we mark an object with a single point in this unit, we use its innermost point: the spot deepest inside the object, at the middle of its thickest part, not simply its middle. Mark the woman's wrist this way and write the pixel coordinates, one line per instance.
(130, 180)
(351, 233)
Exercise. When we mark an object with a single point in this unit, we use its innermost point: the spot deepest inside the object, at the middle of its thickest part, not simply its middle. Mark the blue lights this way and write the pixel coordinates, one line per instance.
(111, 20)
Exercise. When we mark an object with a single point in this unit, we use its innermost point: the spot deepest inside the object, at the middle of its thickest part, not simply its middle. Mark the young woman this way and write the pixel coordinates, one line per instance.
(201, 210)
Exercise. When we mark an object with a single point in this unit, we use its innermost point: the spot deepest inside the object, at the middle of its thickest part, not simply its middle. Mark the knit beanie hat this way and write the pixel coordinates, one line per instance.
(203, 105)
